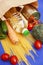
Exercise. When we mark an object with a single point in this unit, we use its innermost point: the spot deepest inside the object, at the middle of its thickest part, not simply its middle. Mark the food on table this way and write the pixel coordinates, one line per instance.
(38, 44)
(37, 32)
(23, 46)
(16, 29)
(5, 57)
(29, 10)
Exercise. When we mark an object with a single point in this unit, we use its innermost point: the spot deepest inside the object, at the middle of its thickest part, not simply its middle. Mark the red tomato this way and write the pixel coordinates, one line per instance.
(13, 60)
(38, 44)
(5, 57)
(30, 26)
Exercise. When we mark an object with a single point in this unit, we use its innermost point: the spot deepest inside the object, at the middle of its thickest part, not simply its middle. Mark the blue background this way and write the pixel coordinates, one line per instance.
(39, 58)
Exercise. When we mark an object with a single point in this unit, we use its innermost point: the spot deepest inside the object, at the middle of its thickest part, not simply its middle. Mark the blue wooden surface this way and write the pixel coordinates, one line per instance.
(39, 58)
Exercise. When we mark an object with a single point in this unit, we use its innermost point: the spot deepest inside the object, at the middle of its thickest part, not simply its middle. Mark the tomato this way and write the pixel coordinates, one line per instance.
(38, 44)
(30, 26)
(13, 60)
(5, 57)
